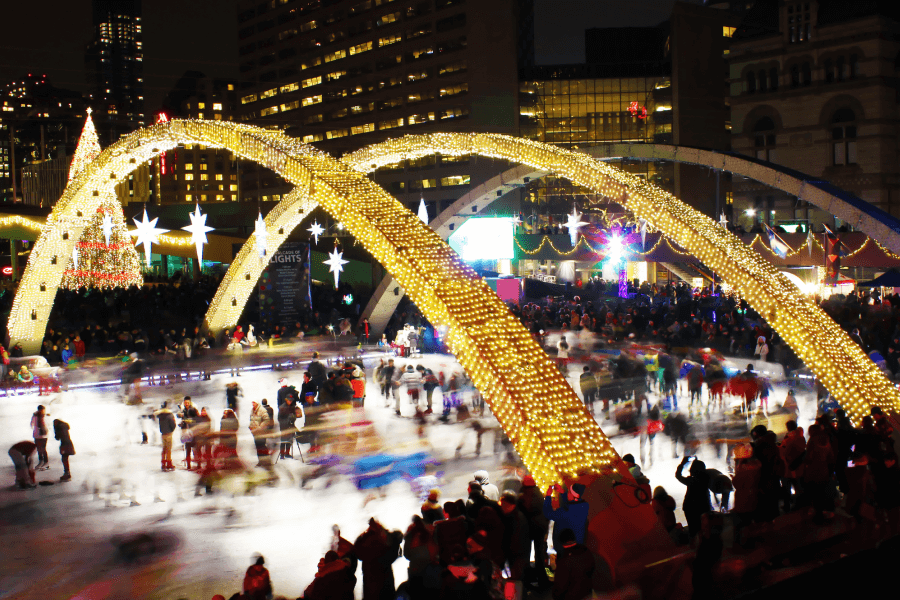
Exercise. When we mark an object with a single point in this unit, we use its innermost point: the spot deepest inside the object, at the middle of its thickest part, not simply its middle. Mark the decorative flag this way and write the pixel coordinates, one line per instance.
(834, 250)
(198, 230)
(423, 211)
(776, 244)
(260, 233)
(148, 233)
(336, 264)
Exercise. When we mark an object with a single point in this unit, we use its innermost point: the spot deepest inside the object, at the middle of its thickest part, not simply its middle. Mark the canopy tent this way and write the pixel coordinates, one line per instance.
(888, 279)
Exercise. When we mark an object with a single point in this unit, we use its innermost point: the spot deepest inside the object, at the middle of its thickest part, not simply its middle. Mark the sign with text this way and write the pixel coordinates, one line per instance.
(284, 286)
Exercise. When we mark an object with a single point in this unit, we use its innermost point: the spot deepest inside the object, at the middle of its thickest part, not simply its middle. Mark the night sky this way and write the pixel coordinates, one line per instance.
(202, 35)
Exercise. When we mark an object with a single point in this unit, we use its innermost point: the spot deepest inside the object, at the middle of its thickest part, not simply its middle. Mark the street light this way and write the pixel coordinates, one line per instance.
(750, 212)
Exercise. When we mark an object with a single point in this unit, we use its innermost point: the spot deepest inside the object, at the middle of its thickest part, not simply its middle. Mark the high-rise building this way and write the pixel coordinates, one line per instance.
(344, 74)
(114, 66)
(39, 128)
(814, 88)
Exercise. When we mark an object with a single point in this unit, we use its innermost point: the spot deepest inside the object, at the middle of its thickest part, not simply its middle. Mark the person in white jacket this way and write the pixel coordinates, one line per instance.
(762, 349)
(413, 381)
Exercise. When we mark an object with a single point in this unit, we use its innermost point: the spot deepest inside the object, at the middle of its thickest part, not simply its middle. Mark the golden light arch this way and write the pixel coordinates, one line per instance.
(548, 423)
(851, 377)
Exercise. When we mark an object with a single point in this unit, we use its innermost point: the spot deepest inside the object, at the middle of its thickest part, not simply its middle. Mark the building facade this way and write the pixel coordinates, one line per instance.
(345, 74)
(814, 87)
(114, 66)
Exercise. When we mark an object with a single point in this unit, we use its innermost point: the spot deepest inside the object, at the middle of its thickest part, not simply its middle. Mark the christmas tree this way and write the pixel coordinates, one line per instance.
(88, 148)
(105, 256)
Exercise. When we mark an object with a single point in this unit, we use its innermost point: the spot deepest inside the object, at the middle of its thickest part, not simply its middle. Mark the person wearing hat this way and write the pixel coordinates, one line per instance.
(571, 512)
(166, 420)
(431, 509)
(24, 376)
(516, 541)
(762, 348)
(531, 503)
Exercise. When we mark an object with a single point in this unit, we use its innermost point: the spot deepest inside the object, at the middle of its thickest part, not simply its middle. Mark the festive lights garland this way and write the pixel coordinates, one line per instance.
(545, 419)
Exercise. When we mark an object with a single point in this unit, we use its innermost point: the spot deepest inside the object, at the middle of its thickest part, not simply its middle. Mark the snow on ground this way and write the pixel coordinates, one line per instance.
(57, 539)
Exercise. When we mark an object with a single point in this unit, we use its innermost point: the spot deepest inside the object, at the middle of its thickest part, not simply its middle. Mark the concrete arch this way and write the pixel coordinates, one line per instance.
(843, 367)
(838, 102)
(548, 423)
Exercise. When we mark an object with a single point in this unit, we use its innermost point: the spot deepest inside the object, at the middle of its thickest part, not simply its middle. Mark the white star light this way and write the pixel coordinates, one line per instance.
(574, 223)
(316, 230)
(148, 234)
(336, 264)
(75, 256)
(198, 230)
(723, 221)
(107, 227)
(260, 232)
(423, 211)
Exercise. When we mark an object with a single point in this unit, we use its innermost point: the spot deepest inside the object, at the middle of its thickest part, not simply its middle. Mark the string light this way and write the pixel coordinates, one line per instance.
(549, 425)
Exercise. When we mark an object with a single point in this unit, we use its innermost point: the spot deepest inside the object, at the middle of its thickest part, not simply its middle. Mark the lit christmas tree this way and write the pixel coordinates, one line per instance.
(98, 264)
(88, 148)
(105, 256)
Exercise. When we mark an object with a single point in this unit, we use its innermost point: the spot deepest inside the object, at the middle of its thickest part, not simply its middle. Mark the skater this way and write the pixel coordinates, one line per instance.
(588, 388)
(412, 379)
(66, 448)
(286, 419)
(22, 454)
(562, 355)
(257, 584)
(260, 425)
(166, 420)
(430, 383)
(39, 433)
(203, 436)
(317, 371)
(648, 434)
(308, 389)
(387, 380)
(232, 391)
(189, 418)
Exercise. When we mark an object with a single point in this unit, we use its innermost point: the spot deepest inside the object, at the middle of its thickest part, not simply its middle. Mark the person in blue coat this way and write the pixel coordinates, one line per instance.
(571, 514)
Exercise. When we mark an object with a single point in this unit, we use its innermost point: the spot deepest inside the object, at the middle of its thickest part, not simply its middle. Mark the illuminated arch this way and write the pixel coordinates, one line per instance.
(841, 365)
(551, 429)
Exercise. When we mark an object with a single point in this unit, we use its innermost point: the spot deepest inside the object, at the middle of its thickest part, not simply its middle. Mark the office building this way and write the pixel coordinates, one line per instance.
(814, 88)
(114, 67)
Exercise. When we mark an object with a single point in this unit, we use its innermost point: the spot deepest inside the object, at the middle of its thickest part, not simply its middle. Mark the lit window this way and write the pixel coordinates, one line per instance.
(203, 166)
(233, 187)
(360, 48)
(312, 81)
(216, 106)
(201, 105)
(268, 111)
(728, 31)
(268, 93)
(291, 87)
(336, 55)
(188, 176)
(188, 167)
(312, 100)
(218, 177)
(249, 99)
(367, 128)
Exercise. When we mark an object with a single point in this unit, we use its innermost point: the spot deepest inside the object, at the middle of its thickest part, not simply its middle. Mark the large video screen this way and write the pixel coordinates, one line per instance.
(484, 238)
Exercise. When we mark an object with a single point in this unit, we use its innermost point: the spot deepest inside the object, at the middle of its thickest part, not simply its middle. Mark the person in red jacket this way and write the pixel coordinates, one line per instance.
(746, 489)
(792, 448)
(257, 584)
(819, 468)
(333, 581)
(80, 349)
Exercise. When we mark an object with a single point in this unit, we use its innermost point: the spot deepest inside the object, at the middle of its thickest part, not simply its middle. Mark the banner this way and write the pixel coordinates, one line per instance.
(284, 293)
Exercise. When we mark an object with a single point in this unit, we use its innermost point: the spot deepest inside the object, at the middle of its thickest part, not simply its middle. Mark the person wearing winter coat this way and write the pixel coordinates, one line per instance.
(491, 492)
(572, 512)
(166, 420)
(412, 380)
(664, 507)
(334, 580)
(189, 418)
(588, 384)
(574, 569)
(286, 420)
(792, 449)
(421, 551)
(79, 348)
(377, 549)
(431, 509)
(696, 498)
(257, 584)
(516, 541)
(531, 503)
(22, 454)
(39, 433)
(746, 489)
(450, 532)
(818, 465)
(66, 448)
(203, 436)
(260, 425)
(762, 349)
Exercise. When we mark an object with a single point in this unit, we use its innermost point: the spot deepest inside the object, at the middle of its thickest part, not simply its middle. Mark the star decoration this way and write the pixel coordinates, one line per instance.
(336, 264)
(260, 232)
(107, 227)
(423, 211)
(75, 257)
(198, 230)
(574, 223)
(316, 230)
(148, 233)
(723, 221)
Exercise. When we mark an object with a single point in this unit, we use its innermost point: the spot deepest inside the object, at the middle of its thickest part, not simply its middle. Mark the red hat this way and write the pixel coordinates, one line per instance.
(528, 481)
